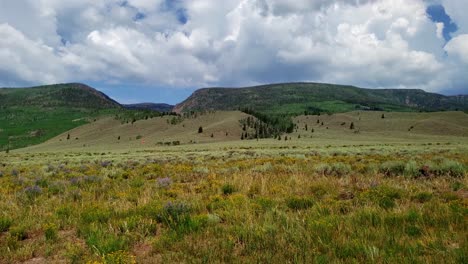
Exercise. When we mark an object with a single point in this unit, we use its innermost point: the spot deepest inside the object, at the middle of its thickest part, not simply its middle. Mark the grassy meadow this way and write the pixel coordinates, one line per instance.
(381, 195)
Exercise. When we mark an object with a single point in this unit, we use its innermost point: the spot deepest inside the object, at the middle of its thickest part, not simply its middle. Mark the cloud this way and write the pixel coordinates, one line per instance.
(23, 60)
(458, 48)
(371, 43)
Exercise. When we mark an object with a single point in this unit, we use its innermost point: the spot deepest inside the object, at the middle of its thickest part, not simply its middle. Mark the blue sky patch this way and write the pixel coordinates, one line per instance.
(437, 14)
(175, 6)
(139, 16)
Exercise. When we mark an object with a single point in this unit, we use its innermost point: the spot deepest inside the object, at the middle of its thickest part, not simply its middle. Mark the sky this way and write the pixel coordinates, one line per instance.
(162, 50)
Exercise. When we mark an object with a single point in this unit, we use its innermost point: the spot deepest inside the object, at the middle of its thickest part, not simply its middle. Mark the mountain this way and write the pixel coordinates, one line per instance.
(297, 98)
(150, 106)
(74, 95)
(30, 116)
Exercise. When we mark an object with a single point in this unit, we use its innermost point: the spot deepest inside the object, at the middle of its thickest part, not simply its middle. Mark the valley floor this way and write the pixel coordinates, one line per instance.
(392, 189)
(330, 200)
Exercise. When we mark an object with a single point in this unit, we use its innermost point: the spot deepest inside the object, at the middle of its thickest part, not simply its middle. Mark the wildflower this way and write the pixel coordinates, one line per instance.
(164, 182)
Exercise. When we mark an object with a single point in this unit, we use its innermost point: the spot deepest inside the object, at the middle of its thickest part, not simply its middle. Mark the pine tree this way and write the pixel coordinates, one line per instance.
(200, 130)
(383, 116)
(212, 135)
(306, 128)
(68, 137)
(351, 126)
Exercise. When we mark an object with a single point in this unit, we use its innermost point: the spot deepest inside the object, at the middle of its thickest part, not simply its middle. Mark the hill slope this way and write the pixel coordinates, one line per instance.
(32, 115)
(295, 98)
(73, 95)
(108, 134)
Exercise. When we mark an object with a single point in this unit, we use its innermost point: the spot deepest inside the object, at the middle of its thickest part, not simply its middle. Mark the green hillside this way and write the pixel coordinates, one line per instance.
(30, 116)
(297, 98)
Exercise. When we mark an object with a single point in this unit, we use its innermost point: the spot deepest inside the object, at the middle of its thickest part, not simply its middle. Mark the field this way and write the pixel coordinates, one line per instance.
(384, 194)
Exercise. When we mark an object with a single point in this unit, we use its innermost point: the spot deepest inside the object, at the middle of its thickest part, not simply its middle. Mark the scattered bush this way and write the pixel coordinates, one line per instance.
(228, 189)
(96, 215)
(103, 241)
(164, 182)
(50, 232)
(450, 168)
(336, 169)
(384, 196)
(392, 168)
(422, 197)
(176, 216)
(412, 170)
(5, 224)
(32, 191)
(19, 233)
(413, 231)
(299, 203)
(119, 257)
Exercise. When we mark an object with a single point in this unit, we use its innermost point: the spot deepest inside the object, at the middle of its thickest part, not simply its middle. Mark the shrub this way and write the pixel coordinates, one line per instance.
(337, 169)
(386, 202)
(413, 231)
(177, 217)
(384, 196)
(103, 241)
(43, 183)
(164, 182)
(392, 168)
(451, 168)
(456, 186)
(95, 214)
(5, 224)
(56, 188)
(422, 197)
(32, 191)
(50, 232)
(412, 169)
(19, 233)
(299, 203)
(228, 189)
(119, 257)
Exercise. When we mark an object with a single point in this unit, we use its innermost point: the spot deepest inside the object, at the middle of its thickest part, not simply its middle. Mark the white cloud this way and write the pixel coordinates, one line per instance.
(440, 30)
(372, 43)
(457, 48)
(23, 60)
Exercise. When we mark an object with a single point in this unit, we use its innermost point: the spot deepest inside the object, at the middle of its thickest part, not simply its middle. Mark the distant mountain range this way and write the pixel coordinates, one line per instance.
(32, 115)
(297, 98)
(150, 106)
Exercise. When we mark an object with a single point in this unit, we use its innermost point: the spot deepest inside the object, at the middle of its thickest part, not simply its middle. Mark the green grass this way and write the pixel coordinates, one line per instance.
(266, 201)
(295, 98)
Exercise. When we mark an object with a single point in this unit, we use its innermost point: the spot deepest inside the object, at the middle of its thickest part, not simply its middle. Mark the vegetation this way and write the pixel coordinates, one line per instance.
(315, 98)
(275, 104)
(30, 116)
(275, 204)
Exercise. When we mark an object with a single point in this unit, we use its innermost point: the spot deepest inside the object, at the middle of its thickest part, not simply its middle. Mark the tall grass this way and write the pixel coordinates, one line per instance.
(332, 207)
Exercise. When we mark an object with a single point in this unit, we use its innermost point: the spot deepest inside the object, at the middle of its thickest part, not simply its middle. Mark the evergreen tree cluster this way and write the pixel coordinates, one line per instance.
(269, 125)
